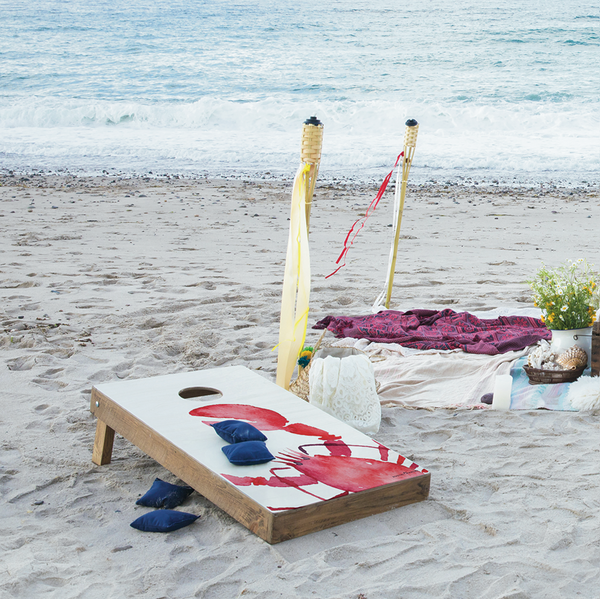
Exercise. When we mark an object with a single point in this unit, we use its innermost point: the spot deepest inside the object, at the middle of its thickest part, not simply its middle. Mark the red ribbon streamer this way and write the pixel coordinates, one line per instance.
(364, 218)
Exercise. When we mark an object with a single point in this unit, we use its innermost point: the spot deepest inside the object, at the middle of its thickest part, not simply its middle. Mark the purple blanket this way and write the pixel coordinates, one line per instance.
(429, 329)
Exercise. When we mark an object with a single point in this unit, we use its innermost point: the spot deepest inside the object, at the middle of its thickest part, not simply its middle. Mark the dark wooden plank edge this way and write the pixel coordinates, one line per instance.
(595, 361)
(325, 514)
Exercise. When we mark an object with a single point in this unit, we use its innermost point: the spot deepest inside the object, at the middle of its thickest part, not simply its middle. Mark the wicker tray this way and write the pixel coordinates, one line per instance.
(538, 376)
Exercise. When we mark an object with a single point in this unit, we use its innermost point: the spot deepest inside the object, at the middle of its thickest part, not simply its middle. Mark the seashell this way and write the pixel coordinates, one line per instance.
(541, 355)
(573, 358)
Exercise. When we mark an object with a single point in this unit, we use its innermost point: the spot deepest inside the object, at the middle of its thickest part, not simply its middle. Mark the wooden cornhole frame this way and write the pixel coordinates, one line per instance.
(154, 415)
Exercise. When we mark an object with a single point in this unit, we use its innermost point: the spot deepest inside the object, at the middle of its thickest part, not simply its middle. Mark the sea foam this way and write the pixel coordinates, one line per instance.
(225, 87)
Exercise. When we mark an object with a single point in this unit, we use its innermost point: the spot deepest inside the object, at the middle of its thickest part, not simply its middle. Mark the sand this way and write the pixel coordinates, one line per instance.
(105, 279)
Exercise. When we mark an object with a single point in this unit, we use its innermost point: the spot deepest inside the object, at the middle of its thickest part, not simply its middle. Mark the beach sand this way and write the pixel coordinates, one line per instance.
(106, 279)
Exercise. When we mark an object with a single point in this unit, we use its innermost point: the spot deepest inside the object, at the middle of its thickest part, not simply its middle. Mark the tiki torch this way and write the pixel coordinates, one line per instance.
(296, 281)
(410, 142)
(310, 153)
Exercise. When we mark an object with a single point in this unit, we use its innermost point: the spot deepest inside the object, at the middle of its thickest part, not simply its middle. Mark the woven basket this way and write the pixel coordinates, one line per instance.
(539, 376)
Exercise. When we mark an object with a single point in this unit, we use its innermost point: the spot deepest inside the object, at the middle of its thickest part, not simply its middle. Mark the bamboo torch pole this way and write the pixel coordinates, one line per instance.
(296, 281)
(310, 153)
(410, 142)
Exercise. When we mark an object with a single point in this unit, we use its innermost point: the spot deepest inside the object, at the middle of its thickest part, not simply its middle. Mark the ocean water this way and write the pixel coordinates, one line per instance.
(506, 91)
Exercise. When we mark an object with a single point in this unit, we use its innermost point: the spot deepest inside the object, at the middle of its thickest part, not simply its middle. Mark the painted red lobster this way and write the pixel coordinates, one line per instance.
(329, 463)
(332, 464)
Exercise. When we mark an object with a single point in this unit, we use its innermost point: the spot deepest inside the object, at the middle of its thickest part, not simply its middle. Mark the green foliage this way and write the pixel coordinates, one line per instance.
(567, 295)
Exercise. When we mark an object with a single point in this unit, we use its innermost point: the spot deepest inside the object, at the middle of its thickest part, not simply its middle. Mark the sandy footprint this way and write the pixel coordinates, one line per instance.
(21, 363)
(49, 384)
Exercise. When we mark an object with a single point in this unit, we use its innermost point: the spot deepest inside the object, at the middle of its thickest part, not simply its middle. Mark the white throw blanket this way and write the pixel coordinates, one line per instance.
(345, 388)
(432, 378)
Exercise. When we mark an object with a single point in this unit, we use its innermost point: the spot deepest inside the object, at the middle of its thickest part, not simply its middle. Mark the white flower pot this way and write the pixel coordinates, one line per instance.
(563, 340)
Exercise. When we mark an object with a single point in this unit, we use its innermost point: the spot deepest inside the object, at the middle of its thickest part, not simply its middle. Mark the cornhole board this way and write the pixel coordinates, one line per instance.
(325, 472)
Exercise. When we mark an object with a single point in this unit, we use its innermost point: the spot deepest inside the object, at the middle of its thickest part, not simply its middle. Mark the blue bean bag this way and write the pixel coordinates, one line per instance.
(248, 453)
(237, 431)
(163, 521)
(164, 495)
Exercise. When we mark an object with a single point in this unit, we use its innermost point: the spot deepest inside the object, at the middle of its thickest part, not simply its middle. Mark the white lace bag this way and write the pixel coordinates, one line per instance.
(345, 388)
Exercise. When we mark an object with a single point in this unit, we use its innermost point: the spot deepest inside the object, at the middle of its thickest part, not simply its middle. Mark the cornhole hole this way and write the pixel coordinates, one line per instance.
(325, 472)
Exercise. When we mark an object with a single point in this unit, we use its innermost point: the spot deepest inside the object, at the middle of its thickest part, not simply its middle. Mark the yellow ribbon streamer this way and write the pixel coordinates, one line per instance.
(296, 285)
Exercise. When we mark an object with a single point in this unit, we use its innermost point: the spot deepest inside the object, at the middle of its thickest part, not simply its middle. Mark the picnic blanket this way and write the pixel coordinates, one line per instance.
(432, 378)
(441, 330)
(524, 396)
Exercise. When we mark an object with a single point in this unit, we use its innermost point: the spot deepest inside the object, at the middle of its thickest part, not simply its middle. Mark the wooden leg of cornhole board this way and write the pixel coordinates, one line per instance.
(103, 444)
